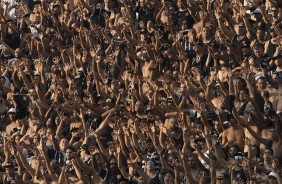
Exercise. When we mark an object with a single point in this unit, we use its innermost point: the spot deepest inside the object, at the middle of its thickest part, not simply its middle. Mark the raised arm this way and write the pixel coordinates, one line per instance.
(254, 134)
(121, 166)
(230, 35)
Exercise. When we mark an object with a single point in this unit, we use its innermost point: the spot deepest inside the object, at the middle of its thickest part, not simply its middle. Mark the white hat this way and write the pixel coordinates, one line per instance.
(12, 110)
(80, 69)
(109, 100)
(259, 75)
(36, 73)
(273, 174)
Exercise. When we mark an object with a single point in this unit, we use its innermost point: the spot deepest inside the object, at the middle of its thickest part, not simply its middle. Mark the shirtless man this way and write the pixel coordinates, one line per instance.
(233, 135)
(252, 139)
(11, 176)
(14, 123)
(275, 141)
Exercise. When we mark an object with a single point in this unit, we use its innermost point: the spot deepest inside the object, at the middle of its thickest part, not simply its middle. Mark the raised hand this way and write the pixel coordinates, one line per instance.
(247, 141)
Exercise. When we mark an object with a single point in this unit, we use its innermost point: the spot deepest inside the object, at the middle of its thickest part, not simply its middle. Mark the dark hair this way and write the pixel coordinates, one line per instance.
(269, 148)
(258, 150)
(234, 146)
(71, 148)
(169, 172)
(257, 46)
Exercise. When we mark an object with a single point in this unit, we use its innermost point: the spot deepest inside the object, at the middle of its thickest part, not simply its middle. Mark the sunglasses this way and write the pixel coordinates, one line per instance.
(150, 163)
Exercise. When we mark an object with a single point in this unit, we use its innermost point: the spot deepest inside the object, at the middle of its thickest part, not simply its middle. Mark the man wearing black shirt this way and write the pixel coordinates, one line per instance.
(144, 12)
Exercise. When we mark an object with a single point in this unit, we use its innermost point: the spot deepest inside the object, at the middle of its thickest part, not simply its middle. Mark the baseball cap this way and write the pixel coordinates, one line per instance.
(80, 69)
(273, 174)
(241, 24)
(8, 164)
(259, 75)
(12, 110)
(113, 161)
(239, 155)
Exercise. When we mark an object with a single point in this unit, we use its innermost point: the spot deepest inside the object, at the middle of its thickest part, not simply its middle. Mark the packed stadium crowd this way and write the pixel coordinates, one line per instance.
(141, 91)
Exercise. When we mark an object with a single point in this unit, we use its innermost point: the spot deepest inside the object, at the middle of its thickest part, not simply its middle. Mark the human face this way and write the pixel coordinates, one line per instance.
(239, 83)
(182, 88)
(273, 34)
(142, 3)
(123, 10)
(242, 96)
(267, 155)
(108, 3)
(175, 74)
(149, 145)
(261, 84)
(273, 133)
(32, 94)
(36, 139)
(232, 151)
(36, 79)
(254, 150)
(66, 15)
(12, 116)
(258, 52)
(151, 166)
(278, 62)
(168, 178)
(274, 12)
(17, 139)
(260, 34)
(64, 144)
(114, 165)
(17, 53)
(203, 175)
(246, 51)
(10, 171)
(272, 180)
(98, 159)
(69, 154)
(217, 126)
(37, 8)
(206, 33)
(49, 132)
(114, 85)
(82, 153)
(191, 162)
(139, 106)
(241, 30)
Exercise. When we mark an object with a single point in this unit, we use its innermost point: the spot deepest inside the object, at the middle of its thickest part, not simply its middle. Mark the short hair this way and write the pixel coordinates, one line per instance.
(169, 172)
(257, 46)
(71, 148)
(234, 146)
(269, 148)
(258, 149)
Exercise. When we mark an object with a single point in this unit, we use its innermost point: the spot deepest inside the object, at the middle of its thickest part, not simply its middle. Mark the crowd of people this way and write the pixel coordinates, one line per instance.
(141, 91)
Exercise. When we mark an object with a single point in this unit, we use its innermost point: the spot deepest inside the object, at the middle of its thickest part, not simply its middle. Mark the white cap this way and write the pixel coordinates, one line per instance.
(109, 100)
(259, 75)
(273, 174)
(80, 69)
(36, 73)
(12, 110)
